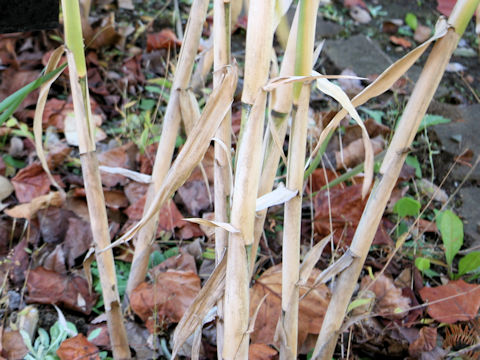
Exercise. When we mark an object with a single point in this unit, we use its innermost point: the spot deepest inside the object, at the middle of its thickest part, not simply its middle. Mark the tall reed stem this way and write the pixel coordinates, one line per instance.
(295, 171)
(221, 49)
(415, 110)
(91, 175)
(166, 147)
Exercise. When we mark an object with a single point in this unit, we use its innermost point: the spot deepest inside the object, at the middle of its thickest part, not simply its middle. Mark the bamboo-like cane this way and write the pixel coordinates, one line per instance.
(281, 105)
(390, 170)
(295, 171)
(247, 174)
(91, 175)
(171, 123)
(222, 54)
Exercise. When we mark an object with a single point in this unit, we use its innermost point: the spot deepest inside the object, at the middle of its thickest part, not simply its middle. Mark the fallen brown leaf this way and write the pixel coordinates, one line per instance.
(168, 298)
(183, 261)
(389, 301)
(78, 348)
(400, 41)
(261, 352)
(311, 311)
(122, 156)
(48, 287)
(12, 346)
(422, 33)
(29, 210)
(346, 207)
(31, 182)
(425, 342)
(446, 6)
(162, 40)
(462, 307)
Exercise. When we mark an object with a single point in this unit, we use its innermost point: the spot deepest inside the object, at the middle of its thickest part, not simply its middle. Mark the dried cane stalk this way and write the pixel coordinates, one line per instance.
(390, 170)
(91, 175)
(171, 123)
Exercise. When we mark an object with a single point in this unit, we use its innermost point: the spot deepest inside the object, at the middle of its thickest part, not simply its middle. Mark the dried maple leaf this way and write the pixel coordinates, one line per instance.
(48, 287)
(168, 298)
(78, 348)
(311, 310)
(455, 301)
(389, 301)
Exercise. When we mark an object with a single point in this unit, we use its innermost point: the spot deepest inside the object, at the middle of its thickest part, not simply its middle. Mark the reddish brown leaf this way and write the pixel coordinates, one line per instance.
(400, 41)
(12, 346)
(48, 287)
(425, 342)
(194, 196)
(350, 3)
(311, 312)
(389, 27)
(374, 129)
(20, 261)
(389, 301)
(261, 352)
(55, 261)
(78, 239)
(78, 348)
(134, 191)
(183, 261)
(133, 70)
(168, 298)
(422, 33)
(319, 180)
(455, 301)
(122, 156)
(31, 182)
(169, 216)
(102, 340)
(115, 199)
(162, 40)
(13, 80)
(446, 6)
(346, 206)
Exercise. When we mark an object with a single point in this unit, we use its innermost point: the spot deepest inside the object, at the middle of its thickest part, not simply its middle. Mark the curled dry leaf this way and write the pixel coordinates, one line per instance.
(162, 40)
(389, 301)
(311, 311)
(168, 298)
(261, 352)
(455, 301)
(78, 348)
(425, 342)
(48, 287)
(354, 153)
(29, 210)
(183, 261)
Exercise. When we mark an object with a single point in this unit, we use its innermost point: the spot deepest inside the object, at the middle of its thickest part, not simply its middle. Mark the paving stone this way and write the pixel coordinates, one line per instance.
(470, 213)
(460, 134)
